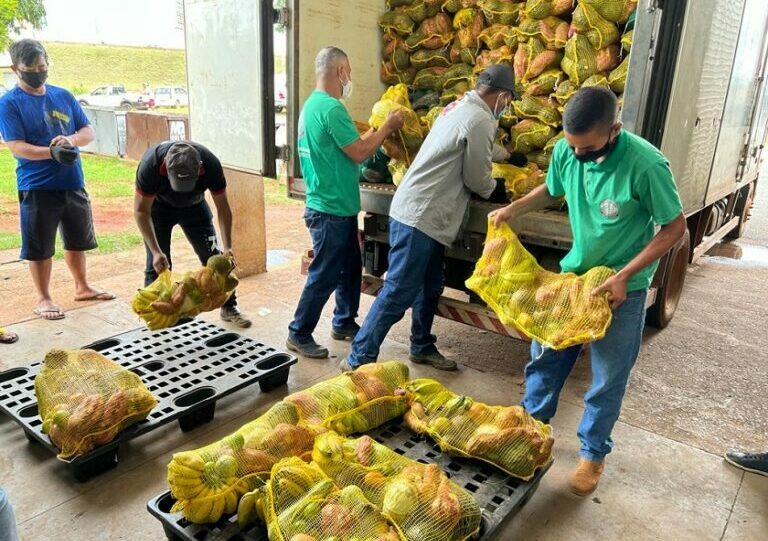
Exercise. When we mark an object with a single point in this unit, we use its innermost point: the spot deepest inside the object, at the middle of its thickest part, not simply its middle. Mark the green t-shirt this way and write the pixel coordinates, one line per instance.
(615, 205)
(325, 127)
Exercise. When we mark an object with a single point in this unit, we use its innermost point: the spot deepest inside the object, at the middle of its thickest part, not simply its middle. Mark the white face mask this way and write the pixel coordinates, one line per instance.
(346, 89)
(498, 113)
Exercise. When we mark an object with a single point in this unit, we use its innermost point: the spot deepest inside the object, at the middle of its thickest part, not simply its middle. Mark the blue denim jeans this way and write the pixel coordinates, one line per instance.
(7, 520)
(337, 266)
(612, 360)
(414, 280)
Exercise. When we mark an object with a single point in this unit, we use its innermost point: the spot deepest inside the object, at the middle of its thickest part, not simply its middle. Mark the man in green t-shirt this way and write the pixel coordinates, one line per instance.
(619, 188)
(330, 152)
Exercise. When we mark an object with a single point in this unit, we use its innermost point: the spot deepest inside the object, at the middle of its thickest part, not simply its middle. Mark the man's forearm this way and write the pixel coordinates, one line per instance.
(27, 151)
(538, 199)
(372, 141)
(225, 226)
(147, 229)
(664, 240)
(83, 136)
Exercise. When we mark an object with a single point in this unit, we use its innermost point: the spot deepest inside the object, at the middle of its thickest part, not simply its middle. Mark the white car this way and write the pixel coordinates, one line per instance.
(114, 96)
(171, 96)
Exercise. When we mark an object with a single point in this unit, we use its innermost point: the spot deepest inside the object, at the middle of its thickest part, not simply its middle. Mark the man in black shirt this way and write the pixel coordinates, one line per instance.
(171, 182)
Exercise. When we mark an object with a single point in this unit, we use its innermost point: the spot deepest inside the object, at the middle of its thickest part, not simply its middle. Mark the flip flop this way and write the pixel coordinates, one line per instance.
(51, 314)
(100, 296)
(8, 337)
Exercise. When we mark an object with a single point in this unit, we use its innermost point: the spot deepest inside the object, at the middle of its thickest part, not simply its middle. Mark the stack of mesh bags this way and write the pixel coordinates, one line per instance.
(436, 48)
(557, 309)
(85, 400)
(173, 297)
(208, 482)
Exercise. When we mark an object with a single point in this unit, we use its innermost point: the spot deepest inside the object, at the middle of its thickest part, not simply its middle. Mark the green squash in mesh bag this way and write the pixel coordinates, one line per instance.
(496, 35)
(552, 31)
(588, 22)
(529, 135)
(396, 21)
(420, 10)
(429, 79)
(617, 79)
(544, 84)
(617, 11)
(541, 108)
(427, 58)
(423, 100)
(500, 11)
(433, 33)
(540, 9)
(456, 74)
(580, 60)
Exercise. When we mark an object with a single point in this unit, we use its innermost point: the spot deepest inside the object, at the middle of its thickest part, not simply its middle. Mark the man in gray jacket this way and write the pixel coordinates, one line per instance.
(427, 213)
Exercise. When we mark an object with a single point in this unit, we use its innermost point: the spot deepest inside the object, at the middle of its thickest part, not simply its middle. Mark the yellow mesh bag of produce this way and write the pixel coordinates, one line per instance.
(495, 35)
(588, 22)
(458, 73)
(397, 22)
(518, 180)
(488, 58)
(420, 10)
(564, 92)
(397, 169)
(538, 107)
(395, 52)
(626, 40)
(454, 93)
(419, 499)
(540, 158)
(500, 11)
(405, 143)
(618, 77)
(208, 482)
(544, 84)
(557, 310)
(428, 58)
(532, 58)
(356, 401)
(429, 79)
(433, 33)
(429, 119)
(528, 135)
(552, 31)
(390, 75)
(608, 58)
(580, 60)
(301, 503)
(85, 400)
(505, 436)
(392, 4)
(508, 118)
(617, 11)
(539, 9)
(171, 297)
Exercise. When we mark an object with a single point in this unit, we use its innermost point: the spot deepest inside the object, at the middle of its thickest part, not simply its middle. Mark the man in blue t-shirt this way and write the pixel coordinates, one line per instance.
(44, 126)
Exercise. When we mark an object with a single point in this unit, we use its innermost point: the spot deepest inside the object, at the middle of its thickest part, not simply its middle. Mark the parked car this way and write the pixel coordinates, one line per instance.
(281, 93)
(171, 96)
(115, 96)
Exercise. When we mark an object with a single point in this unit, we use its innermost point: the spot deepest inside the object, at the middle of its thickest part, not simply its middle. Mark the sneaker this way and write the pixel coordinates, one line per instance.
(751, 462)
(233, 315)
(586, 476)
(344, 366)
(436, 359)
(345, 333)
(310, 350)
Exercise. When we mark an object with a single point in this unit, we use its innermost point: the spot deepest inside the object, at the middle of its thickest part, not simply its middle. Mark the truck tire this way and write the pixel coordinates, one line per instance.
(668, 296)
(743, 208)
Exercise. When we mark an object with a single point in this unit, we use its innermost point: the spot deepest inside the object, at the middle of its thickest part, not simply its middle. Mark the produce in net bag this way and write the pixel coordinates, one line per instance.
(395, 52)
(552, 32)
(588, 22)
(488, 58)
(500, 11)
(405, 143)
(529, 135)
(208, 482)
(469, 24)
(626, 40)
(518, 180)
(429, 79)
(420, 10)
(392, 4)
(618, 77)
(428, 58)
(425, 100)
(508, 118)
(505, 436)
(557, 310)
(356, 401)
(564, 92)
(390, 75)
(617, 11)
(433, 33)
(532, 59)
(454, 93)
(85, 400)
(429, 119)
(540, 9)
(457, 74)
(545, 84)
(301, 503)
(172, 297)
(396, 22)
(496, 35)
(454, 6)
(540, 108)
(544, 157)
(397, 169)
(419, 499)
(580, 61)
(598, 80)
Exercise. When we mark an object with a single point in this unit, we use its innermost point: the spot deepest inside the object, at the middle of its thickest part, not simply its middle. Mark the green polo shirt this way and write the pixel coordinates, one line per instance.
(324, 128)
(614, 206)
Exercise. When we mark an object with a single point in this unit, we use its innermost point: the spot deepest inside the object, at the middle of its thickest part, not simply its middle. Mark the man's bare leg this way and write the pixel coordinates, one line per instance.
(41, 277)
(83, 290)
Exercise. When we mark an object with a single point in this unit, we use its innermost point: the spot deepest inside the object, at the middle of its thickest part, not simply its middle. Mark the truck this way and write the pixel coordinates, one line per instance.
(696, 89)
(115, 96)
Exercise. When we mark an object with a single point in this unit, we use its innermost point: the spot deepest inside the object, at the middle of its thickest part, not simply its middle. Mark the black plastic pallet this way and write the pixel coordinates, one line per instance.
(499, 495)
(187, 367)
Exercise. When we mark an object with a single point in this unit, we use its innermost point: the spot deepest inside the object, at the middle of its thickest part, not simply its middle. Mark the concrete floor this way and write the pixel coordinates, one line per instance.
(699, 388)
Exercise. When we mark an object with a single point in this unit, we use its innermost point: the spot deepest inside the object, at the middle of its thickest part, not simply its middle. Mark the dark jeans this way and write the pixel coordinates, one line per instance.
(337, 266)
(197, 224)
(414, 280)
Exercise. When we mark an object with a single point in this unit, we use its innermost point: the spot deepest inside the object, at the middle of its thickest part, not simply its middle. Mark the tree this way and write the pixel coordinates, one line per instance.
(15, 14)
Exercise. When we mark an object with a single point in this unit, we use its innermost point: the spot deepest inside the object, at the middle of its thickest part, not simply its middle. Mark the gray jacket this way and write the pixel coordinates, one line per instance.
(454, 162)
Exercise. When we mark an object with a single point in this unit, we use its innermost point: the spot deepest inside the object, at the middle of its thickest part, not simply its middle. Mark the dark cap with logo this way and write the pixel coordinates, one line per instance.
(183, 165)
(499, 76)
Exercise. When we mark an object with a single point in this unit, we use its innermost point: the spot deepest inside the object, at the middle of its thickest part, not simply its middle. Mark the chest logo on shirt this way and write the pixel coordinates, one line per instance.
(609, 208)
(58, 115)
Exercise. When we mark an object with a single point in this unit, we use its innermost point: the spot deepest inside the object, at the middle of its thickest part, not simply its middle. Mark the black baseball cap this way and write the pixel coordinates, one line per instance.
(182, 161)
(499, 76)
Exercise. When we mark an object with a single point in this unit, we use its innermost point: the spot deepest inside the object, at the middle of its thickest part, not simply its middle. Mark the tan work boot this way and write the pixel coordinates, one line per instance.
(586, 476)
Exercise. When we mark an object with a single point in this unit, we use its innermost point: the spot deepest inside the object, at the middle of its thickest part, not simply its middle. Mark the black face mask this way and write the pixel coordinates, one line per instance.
(594, 155)
(35, 79)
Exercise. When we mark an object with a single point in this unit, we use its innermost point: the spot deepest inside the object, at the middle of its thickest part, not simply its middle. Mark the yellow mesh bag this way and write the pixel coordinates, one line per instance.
(580, 60)
(301, 503)
(429, 119)
(208, 482)
(500, 11)
(540, 9)
(618, 77)
(588, 22)
(454, 93)
(395, 52)
(356, 401)
(403, 144)
(532, 59)
(564, 92)
(608, 59)
(85, 400)
(429, 79)
(420, 10)
(389, 74)
(458, 73)
(495, 35)
(419, 499)
(519, 181)
(544, 84)
(488, 58)
(505, 436)
(433, 33)
(558, 310)
(626, 40)
(552, 31)
(538, 107)
(617, 11)
(428, 58)
(171, 297)
(528, 135)
(598, 79)
(397, 22)
(397, 169)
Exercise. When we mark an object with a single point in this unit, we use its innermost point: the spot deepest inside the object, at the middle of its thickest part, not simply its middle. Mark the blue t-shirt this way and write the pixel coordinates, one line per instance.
(37, 120)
